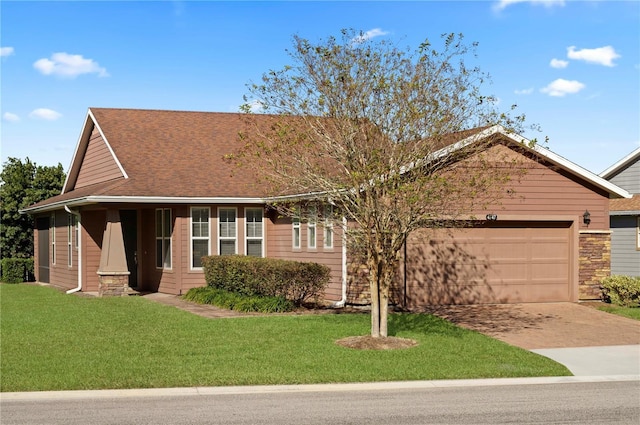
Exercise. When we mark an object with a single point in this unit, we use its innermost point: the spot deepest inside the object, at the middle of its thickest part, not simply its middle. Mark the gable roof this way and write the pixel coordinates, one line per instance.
(157, 156)
(621, 165)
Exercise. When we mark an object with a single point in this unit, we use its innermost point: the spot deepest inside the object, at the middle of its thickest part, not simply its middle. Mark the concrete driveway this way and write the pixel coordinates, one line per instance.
(587, 341)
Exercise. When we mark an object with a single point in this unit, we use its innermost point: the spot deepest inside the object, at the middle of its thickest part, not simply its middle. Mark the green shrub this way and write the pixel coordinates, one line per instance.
(621, 290)
(293, 280)
(238, 302)
(16, 270)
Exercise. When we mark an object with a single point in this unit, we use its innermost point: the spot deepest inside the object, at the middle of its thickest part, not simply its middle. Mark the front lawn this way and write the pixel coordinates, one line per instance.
(630, 312)
(53, 341)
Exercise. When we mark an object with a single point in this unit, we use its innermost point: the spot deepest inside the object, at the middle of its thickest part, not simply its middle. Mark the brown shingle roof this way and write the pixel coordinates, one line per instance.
(632, 204)
(176, 153)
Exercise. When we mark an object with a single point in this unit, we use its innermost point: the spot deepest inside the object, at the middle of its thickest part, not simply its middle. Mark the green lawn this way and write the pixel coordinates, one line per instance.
(630, 312)
(53, 341)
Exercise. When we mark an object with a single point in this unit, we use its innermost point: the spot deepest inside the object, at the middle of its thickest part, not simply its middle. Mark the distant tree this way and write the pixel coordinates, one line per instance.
(23, 184)
(358, 123)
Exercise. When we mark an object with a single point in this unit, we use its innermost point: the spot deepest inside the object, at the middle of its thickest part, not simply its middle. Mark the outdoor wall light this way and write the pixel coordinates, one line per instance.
(586, 217)
(492, 217)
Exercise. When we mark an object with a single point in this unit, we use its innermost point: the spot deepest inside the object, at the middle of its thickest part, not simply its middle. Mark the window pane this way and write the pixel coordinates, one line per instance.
(200, 249)
(159, 253)
(254, 248)
(312, 236)
(158, 223)
(328, 237)
(228, 247)
(167, 223)
(167, 253)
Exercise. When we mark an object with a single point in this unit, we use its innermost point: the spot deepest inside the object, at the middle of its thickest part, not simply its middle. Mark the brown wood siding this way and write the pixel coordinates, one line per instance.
(93, 225)
(546, 191)
(60, 274)
(36, 263)
(98, 165)
(279, 245)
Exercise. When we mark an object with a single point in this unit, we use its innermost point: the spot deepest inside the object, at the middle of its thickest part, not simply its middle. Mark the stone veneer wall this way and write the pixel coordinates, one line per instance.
(113, 285)
(594, 261)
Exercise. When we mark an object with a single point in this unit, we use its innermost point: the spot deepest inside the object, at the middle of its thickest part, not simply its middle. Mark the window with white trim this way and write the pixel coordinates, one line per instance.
(69, 240)
(254, 231)
(163, 238)
(295, 229)
(227, 231)
(76, 231)
(638, 234)
(52, 223)
(200, 231)
(328, 226)
(311, 227)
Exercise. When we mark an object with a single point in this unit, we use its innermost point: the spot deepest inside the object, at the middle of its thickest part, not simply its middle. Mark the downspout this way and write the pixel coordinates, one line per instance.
(343, 300)
(77, 214)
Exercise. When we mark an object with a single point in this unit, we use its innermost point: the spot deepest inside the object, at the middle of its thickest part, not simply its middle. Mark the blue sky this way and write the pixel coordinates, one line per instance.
(572, 67)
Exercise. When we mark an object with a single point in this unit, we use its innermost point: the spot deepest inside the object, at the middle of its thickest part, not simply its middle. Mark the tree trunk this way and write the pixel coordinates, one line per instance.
(374, 287)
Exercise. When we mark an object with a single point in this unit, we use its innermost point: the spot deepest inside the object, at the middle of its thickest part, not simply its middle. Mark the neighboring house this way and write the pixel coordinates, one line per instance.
(148, 193)
(624, 215)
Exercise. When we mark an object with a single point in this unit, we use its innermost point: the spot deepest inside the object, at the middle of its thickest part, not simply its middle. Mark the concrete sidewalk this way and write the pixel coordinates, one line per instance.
(597, 361)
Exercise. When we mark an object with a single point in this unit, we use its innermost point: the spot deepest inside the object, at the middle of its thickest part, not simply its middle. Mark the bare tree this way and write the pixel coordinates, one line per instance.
(369, 127)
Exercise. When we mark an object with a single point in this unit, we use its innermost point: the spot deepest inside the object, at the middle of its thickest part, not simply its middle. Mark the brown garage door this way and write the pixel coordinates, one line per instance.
(498, 262)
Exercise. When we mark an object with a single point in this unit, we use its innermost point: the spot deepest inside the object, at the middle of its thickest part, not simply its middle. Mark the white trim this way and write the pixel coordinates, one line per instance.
(620, 164)
(79, 248)
(52, 241)
(75, 153)
(296, 242)
(220, 238)
(70, 240)
(199, 238)
(595, 232)
(104, 138)
(312, 223)
(247, 238)
(327, 227)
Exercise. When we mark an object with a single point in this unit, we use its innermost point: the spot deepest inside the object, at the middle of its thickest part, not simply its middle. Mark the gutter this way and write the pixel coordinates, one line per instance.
(77, 214)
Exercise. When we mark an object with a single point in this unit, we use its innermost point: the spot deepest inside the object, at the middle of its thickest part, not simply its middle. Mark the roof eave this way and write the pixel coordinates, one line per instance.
(609, 172)
(90, 200)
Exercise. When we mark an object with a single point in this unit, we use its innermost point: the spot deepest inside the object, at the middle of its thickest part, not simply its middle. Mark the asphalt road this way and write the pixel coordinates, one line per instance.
(606, 402)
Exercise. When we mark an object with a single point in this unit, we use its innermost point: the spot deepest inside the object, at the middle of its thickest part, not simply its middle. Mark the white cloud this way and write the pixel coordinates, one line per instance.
(6, 51)
(503, 4)
(601, 55)
(376, 32)
(45, 114)
(66, 65)
(8, 116)
(558, 63)
(561, 87)
(524, 91)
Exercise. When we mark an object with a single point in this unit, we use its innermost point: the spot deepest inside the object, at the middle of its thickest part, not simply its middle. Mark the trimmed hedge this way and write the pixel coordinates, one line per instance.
(621, 290)
(238, 302)
(293, 280)
(17, 270)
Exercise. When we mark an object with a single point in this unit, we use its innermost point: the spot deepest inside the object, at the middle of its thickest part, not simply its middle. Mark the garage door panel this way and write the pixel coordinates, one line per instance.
(503, 262)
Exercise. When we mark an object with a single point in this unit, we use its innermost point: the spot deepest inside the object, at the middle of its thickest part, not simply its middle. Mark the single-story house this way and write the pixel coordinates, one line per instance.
(624, 216)
(148, 194)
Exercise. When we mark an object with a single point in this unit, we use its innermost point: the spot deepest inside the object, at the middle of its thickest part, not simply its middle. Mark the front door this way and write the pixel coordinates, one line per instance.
(129, 221)
(42, 226)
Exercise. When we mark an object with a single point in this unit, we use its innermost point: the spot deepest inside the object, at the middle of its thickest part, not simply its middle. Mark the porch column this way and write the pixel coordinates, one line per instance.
(113, 274)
